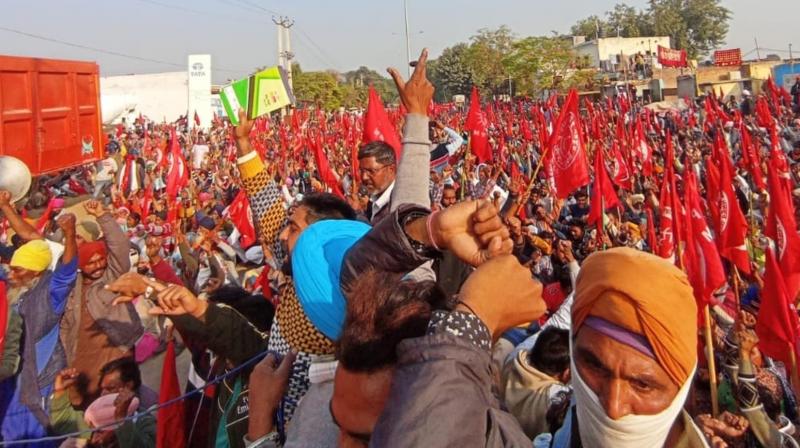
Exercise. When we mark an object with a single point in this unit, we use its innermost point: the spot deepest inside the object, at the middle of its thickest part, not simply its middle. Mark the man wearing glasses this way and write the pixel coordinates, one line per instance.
(378, 167)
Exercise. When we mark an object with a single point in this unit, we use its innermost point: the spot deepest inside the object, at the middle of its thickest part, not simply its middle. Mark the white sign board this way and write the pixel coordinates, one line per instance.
(200, 89)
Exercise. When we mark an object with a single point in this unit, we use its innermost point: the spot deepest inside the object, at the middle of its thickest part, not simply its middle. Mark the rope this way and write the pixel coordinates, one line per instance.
(152, 409)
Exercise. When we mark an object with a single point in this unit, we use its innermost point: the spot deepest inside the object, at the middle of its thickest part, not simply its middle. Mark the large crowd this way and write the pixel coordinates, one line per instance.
(556, 272)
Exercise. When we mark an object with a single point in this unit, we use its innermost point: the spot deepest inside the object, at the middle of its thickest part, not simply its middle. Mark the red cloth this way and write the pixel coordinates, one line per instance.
(671, 58)
(162, 271)
(565, 163)
(777, 324)
(603, 195)
(196, 119)
(781, 227)
(241, 217)
(324, 168)
(87, 250)
(701, 261)
(178, 173)
(477, 126)
(377, 126)
(732, 225)
(671, 208)
(622, 172)
(169, 429)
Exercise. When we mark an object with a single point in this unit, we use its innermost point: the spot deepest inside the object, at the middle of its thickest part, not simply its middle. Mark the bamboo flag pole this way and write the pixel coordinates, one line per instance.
(712, 368)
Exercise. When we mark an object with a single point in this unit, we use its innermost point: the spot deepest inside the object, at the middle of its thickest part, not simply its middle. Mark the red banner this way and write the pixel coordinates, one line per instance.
(671, 58)
(728, 58)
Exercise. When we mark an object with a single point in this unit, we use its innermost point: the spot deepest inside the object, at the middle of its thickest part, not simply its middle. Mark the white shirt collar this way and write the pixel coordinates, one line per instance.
(383, 199)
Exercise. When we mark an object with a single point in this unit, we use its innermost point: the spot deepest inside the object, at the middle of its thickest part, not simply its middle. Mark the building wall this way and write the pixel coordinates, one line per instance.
(159, 96)
(610, 47)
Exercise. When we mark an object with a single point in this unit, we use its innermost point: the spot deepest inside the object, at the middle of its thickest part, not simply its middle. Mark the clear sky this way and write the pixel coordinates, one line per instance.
(342, 34)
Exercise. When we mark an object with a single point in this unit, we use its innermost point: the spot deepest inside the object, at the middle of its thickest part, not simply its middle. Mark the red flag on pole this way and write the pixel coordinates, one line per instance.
(603, 195)
(782, 229)
(670, 226)
(169, 424)
(701, 259)
(177, 175)
(242, 218)
(777, 323)
(477, 126)
(565, 163)
(621, 171)
(377, 126)
(732, 225)
(324, 169)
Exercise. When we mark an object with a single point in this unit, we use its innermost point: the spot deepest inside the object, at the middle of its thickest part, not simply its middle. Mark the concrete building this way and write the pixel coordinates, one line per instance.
(611, 53)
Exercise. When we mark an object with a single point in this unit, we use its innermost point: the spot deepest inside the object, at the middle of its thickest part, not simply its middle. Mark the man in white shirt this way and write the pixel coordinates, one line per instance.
(378, 167)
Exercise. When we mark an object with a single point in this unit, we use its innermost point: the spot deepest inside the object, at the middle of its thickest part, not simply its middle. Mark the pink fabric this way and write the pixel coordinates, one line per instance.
(146, 348)
(101, 411)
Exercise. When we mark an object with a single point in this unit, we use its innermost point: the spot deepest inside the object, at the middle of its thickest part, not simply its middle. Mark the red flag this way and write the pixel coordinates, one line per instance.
(732, 226)
(621, 171)
(196, 119)
(169, 424)
(242, 218)
(527, 134)
(671, 208)
(565, 163)
(750, 155)
(48, 212)
(701, 260)
(781, 227)
(177, 175)
(603, 195)
(643, 151)
(777, 323)
(377, 126)
(148, 199)
(651, 230)
(324, 169)
(477, 126)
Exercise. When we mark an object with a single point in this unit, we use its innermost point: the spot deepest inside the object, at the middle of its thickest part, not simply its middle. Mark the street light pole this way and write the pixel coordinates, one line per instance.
(408, 39)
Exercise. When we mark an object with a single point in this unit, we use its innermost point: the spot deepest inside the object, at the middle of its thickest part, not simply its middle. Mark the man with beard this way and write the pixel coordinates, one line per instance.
(93, 331)
(36, 297)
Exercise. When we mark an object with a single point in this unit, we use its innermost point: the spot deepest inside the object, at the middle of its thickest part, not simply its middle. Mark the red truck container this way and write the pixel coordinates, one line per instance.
(50, 111)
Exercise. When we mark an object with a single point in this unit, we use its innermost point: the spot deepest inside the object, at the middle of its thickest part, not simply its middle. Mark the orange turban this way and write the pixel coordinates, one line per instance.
(646, 295)
(87, 250)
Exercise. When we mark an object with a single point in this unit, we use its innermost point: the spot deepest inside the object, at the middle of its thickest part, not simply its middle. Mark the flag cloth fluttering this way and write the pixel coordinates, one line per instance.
(377, 126)
(477, 126)
(565, 164)
(169, 423)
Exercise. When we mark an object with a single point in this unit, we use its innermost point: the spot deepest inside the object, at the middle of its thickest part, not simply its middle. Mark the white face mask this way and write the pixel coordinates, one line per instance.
(597, 429)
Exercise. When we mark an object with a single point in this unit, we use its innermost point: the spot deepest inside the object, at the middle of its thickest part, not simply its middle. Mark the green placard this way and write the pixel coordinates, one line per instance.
(259, 94)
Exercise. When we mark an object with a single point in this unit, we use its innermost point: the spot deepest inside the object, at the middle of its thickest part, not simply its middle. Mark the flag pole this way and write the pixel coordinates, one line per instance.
(712, 368)
(794, 374)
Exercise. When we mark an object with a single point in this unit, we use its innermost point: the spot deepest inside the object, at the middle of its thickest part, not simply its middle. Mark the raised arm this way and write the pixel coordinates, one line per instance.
(26, 231)
(266, 201)
(413, 172)
(66, 271)
(117, 242)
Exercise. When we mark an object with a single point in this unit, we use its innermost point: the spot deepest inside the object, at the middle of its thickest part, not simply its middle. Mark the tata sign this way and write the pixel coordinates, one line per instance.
(199, 69)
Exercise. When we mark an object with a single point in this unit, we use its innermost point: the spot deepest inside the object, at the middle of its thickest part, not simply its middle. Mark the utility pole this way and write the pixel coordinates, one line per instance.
(758, 51)
(285, 54)
(408, 39)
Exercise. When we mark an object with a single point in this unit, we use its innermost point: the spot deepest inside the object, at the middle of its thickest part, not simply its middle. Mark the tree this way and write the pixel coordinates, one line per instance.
(485, 57)
(450, 73)
(590, 27)
(627, 21)
(540, 63)
(698, 26)
(363, 77)
(318, 88)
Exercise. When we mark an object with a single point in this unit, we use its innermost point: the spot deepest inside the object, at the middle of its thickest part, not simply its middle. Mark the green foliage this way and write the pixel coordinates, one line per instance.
(536, 63)
(331, 90)
(698, 26)
(485, 55)
(450, 73)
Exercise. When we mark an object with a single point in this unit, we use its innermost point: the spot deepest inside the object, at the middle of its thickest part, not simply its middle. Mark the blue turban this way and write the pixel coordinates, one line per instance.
(316, 267)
